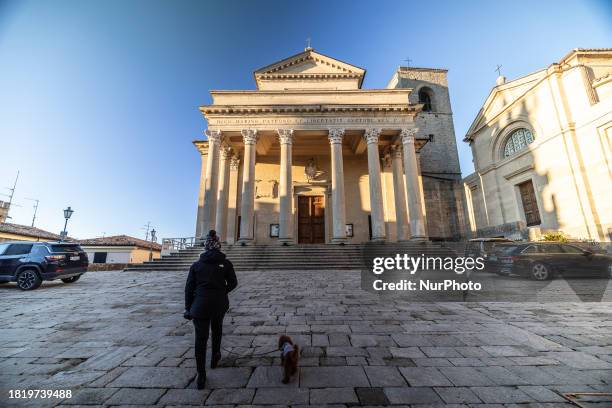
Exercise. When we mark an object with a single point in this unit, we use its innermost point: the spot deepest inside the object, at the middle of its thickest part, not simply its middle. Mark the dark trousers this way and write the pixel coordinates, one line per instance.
(202, 327)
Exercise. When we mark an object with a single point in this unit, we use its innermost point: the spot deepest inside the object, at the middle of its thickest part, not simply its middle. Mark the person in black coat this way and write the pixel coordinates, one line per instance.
(209, 281)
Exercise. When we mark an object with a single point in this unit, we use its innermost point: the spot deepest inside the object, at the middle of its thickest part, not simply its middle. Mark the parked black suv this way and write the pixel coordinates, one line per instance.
(545, 260)
(30, 263)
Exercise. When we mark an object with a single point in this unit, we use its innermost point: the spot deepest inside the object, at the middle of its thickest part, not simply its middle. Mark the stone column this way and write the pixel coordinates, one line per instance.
(223, 193)
(399, 192)
(211, 183)
(411, 172)
(230, 231)
(247, 205)
(338, 210)
(376, 201)
(285, 235)
(203, 149)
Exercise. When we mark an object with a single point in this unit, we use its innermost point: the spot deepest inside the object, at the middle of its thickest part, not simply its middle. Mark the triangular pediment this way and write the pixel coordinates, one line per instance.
(309, 66)
(501, 97)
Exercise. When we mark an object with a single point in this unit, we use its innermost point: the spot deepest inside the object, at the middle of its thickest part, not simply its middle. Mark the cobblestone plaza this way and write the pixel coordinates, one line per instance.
(118, 339)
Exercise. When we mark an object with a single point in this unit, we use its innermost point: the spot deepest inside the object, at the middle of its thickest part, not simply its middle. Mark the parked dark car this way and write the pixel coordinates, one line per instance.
(545, 260)
(30, 263)
(485, 248)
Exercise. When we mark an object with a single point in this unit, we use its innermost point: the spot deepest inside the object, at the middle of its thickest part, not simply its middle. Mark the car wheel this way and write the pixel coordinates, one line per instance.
(28, 279)
(540, 272)
(71, 279)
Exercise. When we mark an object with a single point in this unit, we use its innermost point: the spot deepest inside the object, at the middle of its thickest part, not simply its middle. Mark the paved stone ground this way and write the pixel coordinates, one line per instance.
(119, 339)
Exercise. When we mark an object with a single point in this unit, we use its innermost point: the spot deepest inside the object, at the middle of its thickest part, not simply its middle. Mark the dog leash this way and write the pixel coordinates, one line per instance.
(249, 355)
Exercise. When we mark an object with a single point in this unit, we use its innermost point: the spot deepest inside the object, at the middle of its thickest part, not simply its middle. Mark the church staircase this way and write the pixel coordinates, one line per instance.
(295, 257)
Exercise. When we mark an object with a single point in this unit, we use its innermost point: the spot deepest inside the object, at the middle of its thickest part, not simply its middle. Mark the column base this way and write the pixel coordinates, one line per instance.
(378, 239)
(338, 241)
(285, 241)
(245, 242)
(421, 239)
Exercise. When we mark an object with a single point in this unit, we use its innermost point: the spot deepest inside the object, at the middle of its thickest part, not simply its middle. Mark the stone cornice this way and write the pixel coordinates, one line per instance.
(250, 109)
(520, 171)
(201, 145)
(314, 76)
(311, 91)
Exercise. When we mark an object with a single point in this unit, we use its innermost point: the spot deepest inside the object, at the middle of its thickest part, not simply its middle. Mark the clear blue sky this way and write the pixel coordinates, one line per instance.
(98, 100)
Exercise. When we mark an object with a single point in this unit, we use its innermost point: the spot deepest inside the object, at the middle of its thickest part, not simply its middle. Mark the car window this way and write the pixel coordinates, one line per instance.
(531, 249)
(40, 250)
(572, 250)
(551, 249)
(3, 248)
(65, 248)
(506, 250)
(18, 249)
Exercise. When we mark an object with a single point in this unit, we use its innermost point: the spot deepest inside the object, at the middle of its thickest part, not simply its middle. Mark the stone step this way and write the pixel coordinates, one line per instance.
(275, 257)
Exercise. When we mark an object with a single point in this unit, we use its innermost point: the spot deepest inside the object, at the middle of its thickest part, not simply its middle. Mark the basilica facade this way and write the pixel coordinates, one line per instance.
(311, 157)
(542, 149)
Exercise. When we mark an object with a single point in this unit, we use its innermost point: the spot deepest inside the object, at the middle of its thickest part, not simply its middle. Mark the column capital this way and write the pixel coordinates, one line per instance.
(285, 136)
(249, 136)
(214, 136)
(371, 135)
(234, 163)
(202, 147)
(335, 135)
(226, 152)
(408, 135)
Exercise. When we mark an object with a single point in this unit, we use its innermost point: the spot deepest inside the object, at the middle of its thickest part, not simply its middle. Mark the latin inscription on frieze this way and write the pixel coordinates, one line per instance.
(347, 122)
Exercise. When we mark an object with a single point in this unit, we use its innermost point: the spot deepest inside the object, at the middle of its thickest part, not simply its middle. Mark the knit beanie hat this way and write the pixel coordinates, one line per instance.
(212, 241)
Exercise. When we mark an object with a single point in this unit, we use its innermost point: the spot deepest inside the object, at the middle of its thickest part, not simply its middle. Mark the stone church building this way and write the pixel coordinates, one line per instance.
(309, 156)
(542, 149)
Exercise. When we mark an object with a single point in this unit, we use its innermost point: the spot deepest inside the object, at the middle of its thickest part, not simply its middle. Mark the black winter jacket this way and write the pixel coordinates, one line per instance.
(210, 279)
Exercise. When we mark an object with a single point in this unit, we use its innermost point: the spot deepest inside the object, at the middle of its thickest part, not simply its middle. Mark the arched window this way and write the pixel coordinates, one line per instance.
(517, 141)
(425, 97)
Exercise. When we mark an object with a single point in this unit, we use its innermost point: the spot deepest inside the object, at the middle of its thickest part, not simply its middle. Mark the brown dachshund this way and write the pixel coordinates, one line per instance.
(290, 355)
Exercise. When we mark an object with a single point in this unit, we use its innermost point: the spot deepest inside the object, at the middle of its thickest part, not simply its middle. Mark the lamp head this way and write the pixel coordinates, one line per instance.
(68, 213)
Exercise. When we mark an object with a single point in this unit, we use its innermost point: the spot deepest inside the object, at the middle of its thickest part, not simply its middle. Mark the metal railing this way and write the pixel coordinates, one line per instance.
(170, 245)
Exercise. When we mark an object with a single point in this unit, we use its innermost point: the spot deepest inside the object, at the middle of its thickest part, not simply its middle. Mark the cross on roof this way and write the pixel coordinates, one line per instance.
(408, 61)
(308, 43)
(498, 69)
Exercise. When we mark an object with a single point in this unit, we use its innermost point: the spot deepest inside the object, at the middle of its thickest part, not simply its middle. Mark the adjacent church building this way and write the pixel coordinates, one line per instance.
(542, 151)
(311, 157)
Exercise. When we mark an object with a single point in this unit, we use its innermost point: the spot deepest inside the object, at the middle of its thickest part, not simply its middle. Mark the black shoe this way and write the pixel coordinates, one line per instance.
(201, 381)
(214, 360)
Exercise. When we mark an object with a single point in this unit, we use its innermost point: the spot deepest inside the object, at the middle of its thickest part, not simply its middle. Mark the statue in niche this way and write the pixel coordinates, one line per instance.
(311, 170)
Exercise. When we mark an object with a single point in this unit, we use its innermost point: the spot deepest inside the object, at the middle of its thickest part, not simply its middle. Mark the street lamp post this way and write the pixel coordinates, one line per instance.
(153, 239)
(67, 214)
